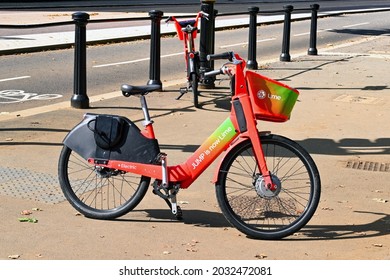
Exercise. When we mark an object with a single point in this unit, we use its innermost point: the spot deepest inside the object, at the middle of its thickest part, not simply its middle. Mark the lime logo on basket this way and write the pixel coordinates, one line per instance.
(261, 94)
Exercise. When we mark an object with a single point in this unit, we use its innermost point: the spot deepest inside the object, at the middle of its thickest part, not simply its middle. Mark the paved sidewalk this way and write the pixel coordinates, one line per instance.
(341, 119)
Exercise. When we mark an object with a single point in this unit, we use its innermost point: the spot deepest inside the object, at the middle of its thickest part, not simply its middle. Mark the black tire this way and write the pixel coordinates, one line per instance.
(99, 194)
(194, 87)
(258, 212)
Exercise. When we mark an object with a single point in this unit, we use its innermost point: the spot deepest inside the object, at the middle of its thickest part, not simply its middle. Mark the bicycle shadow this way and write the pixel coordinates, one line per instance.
(201, 218)
(379, 227)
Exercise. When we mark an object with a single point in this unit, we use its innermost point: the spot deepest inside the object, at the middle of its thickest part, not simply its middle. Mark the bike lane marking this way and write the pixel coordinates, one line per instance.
(4, 116)
(16, 96)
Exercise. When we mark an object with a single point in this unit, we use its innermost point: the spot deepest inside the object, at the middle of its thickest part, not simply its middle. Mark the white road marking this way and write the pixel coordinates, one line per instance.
(14, 78)
(133, 61)
(330, 29)
(357, 24)
(245, 43)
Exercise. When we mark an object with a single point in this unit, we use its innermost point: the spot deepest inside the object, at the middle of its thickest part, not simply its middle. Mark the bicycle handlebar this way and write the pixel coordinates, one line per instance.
(213, 73)
(199, 14)
(226, 55)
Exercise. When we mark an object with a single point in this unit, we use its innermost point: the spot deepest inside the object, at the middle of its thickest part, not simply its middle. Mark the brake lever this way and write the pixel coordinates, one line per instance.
(204, 15)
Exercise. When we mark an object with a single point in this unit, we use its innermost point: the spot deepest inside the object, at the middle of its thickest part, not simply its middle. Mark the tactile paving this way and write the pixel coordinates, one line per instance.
(28, 184)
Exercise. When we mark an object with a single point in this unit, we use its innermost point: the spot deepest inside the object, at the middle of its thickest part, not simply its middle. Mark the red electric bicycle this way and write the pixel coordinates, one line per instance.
(187, 31)
(267, 185)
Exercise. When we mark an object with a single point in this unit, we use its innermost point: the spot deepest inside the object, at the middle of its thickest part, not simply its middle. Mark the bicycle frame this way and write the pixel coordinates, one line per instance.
(241, 125)
(187, 31)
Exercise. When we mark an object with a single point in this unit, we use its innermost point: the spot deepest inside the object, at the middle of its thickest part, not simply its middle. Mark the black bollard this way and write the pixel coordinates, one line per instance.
(252, 41)
(155, 48)
(285, 55)
(313, 30)
(206, 42)
(80, 99)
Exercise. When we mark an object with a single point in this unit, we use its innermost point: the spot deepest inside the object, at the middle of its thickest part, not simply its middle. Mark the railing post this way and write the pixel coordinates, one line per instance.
(313, 30)
(285, 55)
(252, 41)
(80, 99)
(206, 41)
(155, 48)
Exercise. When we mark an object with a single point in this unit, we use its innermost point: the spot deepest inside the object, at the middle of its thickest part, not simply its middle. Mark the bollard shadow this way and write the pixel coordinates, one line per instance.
(31, 129)
(347, 146)
(301, 71)
(368, 88)
(364, 32)
(322, 146)
(15, 38)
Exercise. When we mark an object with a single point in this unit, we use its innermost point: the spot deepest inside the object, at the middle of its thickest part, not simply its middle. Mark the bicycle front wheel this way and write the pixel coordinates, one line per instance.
(96, 192)
(255, 210)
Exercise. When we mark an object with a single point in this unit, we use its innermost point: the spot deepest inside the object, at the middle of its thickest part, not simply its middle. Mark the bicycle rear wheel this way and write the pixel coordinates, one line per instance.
(257, 211)
(99, 193)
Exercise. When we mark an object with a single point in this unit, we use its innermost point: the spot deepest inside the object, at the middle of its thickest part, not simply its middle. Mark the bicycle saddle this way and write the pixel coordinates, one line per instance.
(128, 90)
(184, 23)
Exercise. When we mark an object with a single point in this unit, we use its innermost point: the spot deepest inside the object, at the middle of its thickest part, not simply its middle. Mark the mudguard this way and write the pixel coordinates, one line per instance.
(133, 146)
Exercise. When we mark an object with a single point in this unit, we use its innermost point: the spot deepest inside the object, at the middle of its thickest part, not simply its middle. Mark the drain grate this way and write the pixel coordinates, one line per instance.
(368, 165)
(27, 184)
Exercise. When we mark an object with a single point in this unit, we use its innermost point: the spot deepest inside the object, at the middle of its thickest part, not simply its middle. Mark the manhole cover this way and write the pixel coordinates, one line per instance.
(368, 165)
(27, 184)
(357, 99)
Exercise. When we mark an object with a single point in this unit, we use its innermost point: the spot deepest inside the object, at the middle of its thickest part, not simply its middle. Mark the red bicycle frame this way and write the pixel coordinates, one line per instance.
(239, 126)
(187, 31)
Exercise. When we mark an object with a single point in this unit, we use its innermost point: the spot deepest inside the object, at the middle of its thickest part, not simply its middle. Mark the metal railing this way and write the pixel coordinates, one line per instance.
(80, 20)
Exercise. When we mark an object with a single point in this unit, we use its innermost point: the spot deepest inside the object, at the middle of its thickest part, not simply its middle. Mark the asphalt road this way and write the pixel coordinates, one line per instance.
(36, 79)
(188, 6)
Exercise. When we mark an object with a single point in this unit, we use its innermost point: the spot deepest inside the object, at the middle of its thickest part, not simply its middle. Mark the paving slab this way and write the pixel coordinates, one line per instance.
(341, 118)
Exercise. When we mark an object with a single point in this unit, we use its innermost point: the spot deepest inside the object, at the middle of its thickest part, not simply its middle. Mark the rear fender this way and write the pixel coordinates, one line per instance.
(81, 139)
(133, 146)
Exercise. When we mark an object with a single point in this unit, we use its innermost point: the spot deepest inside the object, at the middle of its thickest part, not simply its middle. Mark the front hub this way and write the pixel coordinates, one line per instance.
(264, 191)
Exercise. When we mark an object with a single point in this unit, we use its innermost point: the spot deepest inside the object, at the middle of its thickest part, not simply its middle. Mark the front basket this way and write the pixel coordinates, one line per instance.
(271, 100)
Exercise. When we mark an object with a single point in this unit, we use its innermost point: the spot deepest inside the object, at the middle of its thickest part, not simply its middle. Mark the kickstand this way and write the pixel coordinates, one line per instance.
(183, 91)
(178, 213)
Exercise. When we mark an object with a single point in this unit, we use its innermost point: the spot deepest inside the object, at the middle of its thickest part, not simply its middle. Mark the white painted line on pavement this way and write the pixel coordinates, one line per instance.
(245, 43)
(301, 34)
(133, 61)
(308, 33)
(357, 24)
(14, 78)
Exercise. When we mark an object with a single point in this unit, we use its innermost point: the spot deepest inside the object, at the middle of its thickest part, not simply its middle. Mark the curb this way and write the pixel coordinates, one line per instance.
(62, 40)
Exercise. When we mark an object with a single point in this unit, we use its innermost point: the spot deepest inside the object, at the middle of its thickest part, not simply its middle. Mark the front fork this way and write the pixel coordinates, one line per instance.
(259, 154)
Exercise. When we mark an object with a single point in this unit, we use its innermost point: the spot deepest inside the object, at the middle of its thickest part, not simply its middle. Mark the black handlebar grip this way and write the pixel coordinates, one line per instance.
(225, 55)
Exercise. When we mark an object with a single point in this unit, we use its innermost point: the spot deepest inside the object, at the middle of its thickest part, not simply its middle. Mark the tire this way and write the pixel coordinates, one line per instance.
(194, 86)
(99, 194)
(256, 211)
